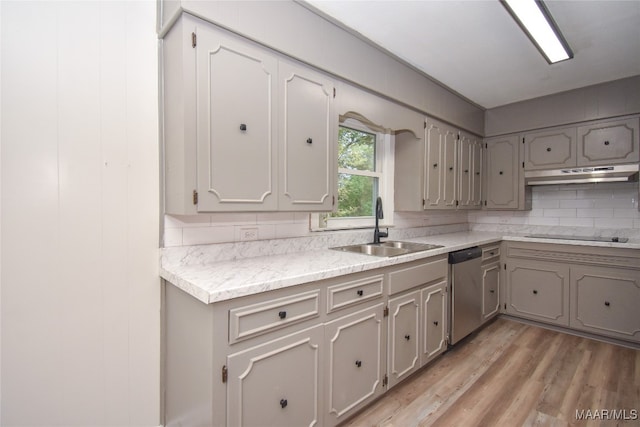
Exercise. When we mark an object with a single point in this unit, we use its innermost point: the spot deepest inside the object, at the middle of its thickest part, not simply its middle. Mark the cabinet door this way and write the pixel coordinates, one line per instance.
(608, 143)
(490, 290)
(236, 127)
(434, 321)
(538, 290)
(355, 362)
(308, 127)
(469, 172)
(440, 166)
(605, 301)
(278, 383)
(404, 337)
(550, 149)
(502, 174)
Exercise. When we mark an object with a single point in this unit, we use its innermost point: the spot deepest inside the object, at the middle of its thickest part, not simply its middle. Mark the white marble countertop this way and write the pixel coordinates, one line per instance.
(213, 281)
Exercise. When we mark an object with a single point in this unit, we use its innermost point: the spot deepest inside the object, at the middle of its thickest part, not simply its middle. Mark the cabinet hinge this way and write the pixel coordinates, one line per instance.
(505, 265)
(523, 165)
(456, 203)
(486, 146)
(424, 202)
(224, 373)
(458, 137)
(193, 40)
(505, 305)
(425, 124)
(195, 197)
(334, 92)
(485, 203)
(523, 140)
(333, 200)
(385, 380)
(385, 312)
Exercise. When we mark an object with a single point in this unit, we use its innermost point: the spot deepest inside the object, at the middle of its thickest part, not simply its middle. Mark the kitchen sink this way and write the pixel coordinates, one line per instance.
(387, 249)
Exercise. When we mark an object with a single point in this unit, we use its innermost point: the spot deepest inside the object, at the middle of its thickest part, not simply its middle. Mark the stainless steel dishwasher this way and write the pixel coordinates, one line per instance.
(466, 292)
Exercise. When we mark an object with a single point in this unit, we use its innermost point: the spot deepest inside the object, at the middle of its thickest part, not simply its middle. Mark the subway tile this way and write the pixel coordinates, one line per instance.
(172, 237)
(205, 235)
(231, 218)
(595, 213)
(275, 217)
(576, 222)
(180, 221)
(626, 213)
(613, 203)
(544, 221)
(614, 222)
(560, 213)
(546, 203)
(577, 203)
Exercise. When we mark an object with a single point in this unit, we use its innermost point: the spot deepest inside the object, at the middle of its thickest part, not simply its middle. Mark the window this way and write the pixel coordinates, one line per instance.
(363, 168)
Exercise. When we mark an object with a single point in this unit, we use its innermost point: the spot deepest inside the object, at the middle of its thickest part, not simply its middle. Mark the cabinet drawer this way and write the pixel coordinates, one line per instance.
(263, 317)
(351, 293)
(491, 253)
(410, 277)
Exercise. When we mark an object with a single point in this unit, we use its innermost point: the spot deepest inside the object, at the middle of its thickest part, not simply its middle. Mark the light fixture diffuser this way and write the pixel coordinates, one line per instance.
(536, 21)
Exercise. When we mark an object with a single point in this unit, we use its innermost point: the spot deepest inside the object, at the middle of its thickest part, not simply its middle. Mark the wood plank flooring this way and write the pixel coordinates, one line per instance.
(513, 374)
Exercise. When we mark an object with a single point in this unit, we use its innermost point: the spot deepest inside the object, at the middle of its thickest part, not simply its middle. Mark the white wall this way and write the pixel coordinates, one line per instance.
(80, 307)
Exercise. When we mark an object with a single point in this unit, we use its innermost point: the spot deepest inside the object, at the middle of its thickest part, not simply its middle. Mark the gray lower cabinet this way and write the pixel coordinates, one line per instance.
(418, 312)
(277, 383)
(355, 362)
(490, 290)
(539, 291)
(404, 336)
(434, 321)
(586, 288)
(309, 355)
(606, 301)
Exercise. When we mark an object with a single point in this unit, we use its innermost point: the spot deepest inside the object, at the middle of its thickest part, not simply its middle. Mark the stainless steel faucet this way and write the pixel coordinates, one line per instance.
(377, 234)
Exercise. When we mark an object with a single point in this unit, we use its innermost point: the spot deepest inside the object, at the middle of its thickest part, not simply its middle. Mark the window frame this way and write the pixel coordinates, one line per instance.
(384, 151)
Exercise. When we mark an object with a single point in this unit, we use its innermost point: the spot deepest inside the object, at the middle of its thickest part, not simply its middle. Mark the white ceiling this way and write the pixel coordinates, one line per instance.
(476, 48)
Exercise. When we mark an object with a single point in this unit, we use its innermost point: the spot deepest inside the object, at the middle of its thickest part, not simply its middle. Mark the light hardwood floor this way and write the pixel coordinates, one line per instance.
(512, 374)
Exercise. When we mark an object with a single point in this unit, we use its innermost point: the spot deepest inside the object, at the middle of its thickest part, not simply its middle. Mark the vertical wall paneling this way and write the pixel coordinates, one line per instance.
(80, 303)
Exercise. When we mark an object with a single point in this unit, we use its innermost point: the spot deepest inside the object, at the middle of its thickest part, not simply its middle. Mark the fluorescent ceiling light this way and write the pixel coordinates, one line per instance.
(536, 21)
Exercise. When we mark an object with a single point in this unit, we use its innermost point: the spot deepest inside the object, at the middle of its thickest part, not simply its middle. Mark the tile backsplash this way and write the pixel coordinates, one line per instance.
(610, 206)
(201, 229)
(593, 208)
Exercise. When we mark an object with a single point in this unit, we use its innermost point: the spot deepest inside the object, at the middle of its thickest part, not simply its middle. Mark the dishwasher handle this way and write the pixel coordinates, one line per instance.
(464, 255)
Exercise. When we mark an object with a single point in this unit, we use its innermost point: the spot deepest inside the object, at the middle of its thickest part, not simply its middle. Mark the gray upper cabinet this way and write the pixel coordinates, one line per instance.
(608, 143)
(504, 182)
(308, 127)
(550, 149)
(442, 172)
(440, 166)
(236, 103)
(265, 127)
(470, 171)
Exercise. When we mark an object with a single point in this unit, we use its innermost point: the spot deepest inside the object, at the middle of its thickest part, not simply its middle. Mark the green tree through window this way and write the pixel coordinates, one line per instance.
(357, 180)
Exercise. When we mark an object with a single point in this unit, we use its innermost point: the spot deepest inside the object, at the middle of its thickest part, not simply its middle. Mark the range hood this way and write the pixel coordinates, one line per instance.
(583, 175)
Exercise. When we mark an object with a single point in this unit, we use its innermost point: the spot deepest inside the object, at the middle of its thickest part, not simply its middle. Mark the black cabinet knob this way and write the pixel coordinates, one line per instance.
(466, 171)
(548, 148)
(360, 292)
(435, 165)
(282, 314)
(309, 140)
(435, 323)
(607, 303)
(358, 363)
(606, 143)
(535, 292)
(477, 173)
(283, 403)
(243, 127)
(407, 337)
(492, 291)
(501, 172)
